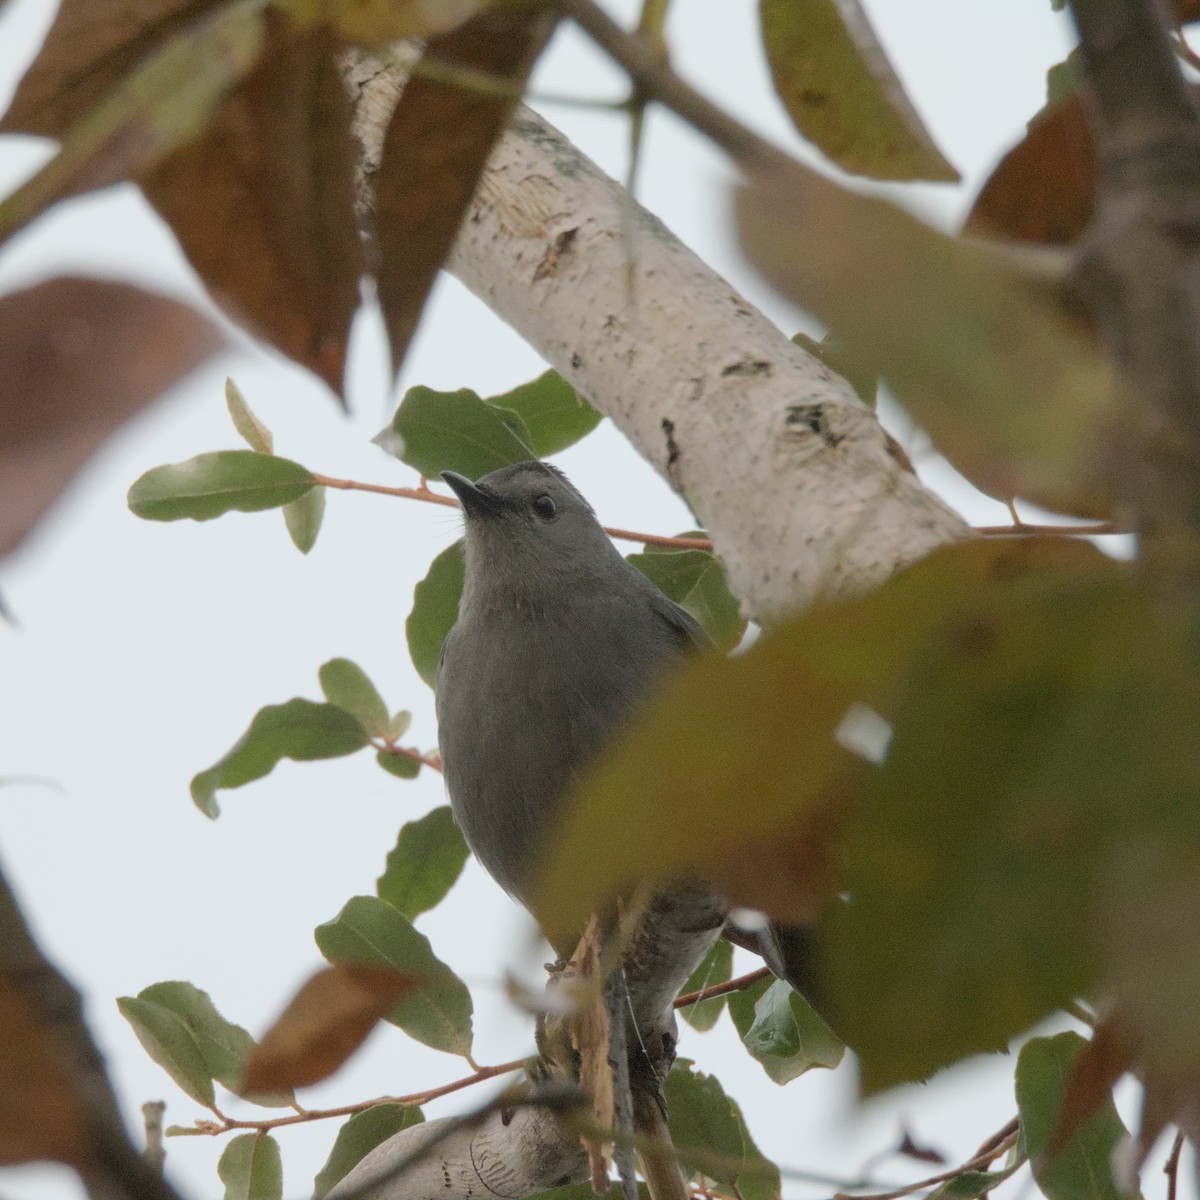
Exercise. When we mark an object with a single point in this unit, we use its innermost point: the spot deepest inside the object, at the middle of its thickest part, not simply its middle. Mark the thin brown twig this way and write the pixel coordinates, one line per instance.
(431, 497)
(433, 762)
(229, 1124)
(979, 1163)
(1024, 529)
(722, 989)
(1171, 1166)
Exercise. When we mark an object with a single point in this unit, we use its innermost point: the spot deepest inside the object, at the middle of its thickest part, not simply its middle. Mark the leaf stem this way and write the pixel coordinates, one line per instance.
(229, 1124)
(996, 1145)
(723, 989)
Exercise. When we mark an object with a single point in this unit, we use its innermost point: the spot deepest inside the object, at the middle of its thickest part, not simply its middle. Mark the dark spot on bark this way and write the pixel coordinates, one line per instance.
(813, 98)
(813, 416)
(557, 253)
(576, 362)
(563, 1181)
(668, 428)
(746, 369)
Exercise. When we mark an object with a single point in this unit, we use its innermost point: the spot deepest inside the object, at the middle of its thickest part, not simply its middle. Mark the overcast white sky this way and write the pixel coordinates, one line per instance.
(144, 649)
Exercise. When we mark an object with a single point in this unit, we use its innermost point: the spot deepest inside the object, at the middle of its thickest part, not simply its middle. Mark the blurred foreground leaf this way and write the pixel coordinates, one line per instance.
(42, 1116)
(841, 92)
(1014, 394)
(324, 1023)
(77, 358)
(164, 102)
(262, 202)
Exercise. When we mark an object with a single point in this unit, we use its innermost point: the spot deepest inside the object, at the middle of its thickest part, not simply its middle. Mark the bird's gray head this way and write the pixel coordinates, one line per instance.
(528, 527)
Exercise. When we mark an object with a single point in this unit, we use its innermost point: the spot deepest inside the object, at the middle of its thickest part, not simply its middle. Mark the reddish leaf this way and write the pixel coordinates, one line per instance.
(1187, 10)
(91, 45)
(78, 357)
(263, 202)
(435, 149)
(1042, 189)
(41, 1116)
(327, 1020)
(1095, 1072)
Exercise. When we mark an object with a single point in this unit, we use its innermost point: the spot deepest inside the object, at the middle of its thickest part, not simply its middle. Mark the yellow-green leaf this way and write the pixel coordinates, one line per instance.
(841, 92)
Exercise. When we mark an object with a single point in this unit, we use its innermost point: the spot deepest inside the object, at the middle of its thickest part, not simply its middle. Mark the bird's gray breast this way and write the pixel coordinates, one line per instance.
(525, 701)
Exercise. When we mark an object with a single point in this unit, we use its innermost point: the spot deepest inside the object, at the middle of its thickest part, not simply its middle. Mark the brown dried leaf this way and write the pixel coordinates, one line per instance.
(91, 45)
(263, 202)
(434, 151)
(326, 1021)
(41, 1115)
(1042, 189)
(1101, 1063)
(78, 357)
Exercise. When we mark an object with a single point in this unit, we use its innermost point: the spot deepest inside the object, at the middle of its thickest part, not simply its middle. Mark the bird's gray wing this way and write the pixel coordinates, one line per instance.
(690, 633)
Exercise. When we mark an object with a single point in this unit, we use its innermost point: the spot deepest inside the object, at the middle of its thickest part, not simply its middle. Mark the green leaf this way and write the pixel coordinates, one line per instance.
(251, 1169)
(702, 1123)
(782, 1031)
(695, 581)
(840, 90)
(224, 1047)
(717, 967)
(428, 858)
(758, 1178)
(300, 730)
(346, 684)
(1083, 1171)
(398, 725)
(208, 485)
(434, 611)
(303, 519)
(454, 431)
(256, 435)
(970, 1185)
(403, 766)
(168, 1040)
(358, 1137)
(841, 360)
(370, 930)
(553, 414)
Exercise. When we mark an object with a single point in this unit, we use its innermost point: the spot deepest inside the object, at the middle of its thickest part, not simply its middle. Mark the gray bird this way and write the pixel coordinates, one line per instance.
(557, 641)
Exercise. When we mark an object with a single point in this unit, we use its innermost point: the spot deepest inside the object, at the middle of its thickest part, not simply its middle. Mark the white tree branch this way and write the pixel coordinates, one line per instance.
(786, 468)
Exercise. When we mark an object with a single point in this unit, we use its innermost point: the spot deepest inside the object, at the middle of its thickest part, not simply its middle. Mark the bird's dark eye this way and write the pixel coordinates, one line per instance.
(544, 507)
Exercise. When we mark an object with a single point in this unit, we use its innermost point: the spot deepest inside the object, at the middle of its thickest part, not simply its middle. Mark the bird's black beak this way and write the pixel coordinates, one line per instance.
(475, 501)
